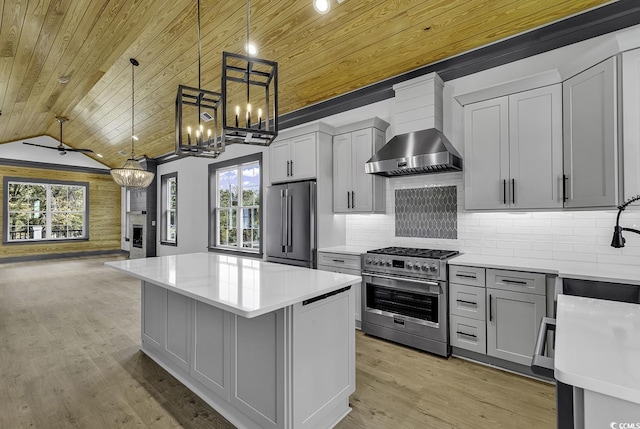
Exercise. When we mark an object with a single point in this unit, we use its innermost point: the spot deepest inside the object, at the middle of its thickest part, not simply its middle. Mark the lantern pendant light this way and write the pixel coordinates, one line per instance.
(249, 96)
(197, 129)
(132, 175)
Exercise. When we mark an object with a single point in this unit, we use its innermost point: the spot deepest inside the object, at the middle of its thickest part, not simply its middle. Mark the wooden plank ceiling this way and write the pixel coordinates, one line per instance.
(357, 43)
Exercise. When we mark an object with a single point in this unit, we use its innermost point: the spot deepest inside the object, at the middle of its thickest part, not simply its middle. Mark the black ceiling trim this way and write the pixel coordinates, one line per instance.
(603, 20)
(48, 166)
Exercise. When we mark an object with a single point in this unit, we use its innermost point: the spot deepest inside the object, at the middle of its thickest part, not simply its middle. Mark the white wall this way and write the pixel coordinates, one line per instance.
(193, 197)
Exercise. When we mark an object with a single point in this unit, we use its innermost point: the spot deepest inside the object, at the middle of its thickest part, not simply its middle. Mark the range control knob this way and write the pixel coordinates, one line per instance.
(416, 267)
(388, 263)
(433, 268)
(369, 261)
(375, 262)
(425, 267)
(409, 265)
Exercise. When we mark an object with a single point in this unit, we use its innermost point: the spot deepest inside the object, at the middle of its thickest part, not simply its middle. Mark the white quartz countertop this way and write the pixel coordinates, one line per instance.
(629, 274)
(245, 286)
(598, 346)
(346, 249)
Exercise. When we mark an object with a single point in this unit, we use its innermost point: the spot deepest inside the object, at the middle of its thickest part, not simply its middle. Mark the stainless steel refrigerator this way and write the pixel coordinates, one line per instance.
(291, 224)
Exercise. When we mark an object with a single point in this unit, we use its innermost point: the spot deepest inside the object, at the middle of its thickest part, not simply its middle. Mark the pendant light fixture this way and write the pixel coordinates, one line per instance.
(197, 129)
(249, 96)
(132, 175)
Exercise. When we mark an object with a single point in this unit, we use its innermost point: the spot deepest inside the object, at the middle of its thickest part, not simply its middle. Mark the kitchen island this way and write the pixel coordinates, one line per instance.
(267, 345)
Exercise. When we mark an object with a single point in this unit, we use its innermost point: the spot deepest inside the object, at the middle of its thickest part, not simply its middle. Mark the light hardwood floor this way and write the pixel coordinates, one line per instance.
(69, 358)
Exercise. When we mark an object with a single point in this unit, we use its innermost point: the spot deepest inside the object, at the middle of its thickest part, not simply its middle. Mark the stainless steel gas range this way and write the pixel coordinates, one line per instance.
(405, 297)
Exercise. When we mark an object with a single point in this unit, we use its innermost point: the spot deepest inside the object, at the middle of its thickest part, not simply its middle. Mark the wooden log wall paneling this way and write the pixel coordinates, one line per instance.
(358, 43)
(104, 214)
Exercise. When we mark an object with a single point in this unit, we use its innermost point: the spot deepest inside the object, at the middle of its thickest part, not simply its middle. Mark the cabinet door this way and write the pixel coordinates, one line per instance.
(631, 124)
(154, 316)
(279, 161)
(303, 157)
(486, 150)
(590, 137)
(513, 319)
(342, 173)
(362, 183)
(535, 148)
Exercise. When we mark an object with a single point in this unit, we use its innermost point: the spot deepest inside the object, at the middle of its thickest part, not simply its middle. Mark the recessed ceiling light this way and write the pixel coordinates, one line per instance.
(63, 79)
(321, 6)
(99, 155)
(135, 138)
(251, 49)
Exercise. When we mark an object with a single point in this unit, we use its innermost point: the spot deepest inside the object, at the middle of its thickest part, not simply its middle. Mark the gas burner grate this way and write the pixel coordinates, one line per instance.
(415, 252)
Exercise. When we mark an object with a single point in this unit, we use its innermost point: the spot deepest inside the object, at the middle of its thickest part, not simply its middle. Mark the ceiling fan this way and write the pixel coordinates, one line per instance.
(60, 148)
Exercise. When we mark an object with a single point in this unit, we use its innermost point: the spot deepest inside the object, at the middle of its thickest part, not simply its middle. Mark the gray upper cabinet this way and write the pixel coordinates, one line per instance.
(631, 124)
(590, 137)
(293, 159)
(513, 151)
(355, 191)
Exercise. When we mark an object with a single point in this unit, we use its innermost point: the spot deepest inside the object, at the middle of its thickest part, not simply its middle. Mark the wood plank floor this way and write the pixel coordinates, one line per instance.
(69, 358)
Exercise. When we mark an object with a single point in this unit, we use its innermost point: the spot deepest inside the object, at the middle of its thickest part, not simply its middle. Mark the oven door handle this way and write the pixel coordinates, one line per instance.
(402, 279)
(540, 364)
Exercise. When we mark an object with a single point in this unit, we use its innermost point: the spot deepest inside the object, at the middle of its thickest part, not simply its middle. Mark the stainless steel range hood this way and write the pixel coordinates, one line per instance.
(419, 152)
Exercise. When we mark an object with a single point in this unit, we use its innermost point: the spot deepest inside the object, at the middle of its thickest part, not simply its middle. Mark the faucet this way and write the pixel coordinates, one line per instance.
(618, 239)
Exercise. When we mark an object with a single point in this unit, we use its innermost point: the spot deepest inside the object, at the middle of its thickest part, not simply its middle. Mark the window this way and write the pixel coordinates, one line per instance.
(39, 210)
(169, 201)
(236, 198)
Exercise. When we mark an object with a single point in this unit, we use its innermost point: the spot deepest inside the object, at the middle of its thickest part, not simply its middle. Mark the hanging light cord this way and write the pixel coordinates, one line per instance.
(248, 23)
(134, 63)
(199, 82)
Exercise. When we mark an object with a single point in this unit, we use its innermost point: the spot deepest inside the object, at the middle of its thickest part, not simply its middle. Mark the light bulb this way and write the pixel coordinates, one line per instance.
(321, 6)
(249, 107)
(250, 49)
(188, 130)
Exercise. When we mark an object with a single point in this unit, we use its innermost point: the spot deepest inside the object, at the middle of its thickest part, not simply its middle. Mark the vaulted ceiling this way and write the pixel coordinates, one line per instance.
(359, 42)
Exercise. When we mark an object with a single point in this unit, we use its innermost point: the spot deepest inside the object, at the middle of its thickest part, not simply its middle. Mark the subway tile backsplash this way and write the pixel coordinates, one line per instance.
(560, 235)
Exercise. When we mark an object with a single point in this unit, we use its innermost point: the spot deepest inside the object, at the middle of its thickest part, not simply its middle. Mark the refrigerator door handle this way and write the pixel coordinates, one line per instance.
(289, 223)
(283, 214)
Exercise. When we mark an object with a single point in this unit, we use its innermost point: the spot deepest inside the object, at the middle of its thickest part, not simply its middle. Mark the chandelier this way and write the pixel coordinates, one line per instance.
(249, 96)
(131, 175)
(197, 129)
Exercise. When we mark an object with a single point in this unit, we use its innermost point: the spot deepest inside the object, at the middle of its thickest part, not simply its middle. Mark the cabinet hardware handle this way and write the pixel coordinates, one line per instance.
(339, 260)
(565, 178)
(348, 200)
(353, 200)
(504, 191)
(513, 191)
(490, 310)
(325, 296)
(515, 282)
(465, 334)
(292, 167)
(287, 168)
(466, 276)
(466, 302)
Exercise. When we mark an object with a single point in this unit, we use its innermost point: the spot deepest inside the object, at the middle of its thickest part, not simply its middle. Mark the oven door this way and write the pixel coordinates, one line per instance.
(412, 306)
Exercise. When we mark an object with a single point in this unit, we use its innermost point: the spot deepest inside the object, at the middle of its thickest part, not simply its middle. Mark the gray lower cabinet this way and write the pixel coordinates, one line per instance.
(290, 368)
(496, 312)
(512, 325)
(346, 264)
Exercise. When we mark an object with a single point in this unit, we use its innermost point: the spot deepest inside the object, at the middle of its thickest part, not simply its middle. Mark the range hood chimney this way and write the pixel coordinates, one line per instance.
(419, 145)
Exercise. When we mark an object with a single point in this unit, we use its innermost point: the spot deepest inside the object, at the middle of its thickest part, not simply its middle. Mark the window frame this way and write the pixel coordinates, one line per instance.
(37, 181)
(164, 207)
(213, 209)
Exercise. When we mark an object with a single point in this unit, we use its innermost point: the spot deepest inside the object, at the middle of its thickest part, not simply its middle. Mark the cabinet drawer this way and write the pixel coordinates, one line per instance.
(517, 281)
(467, 301)
(339, 260)
(469, 334)
(472, 276)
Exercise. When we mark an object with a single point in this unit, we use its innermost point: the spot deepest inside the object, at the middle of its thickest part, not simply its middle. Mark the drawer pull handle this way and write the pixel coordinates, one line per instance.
(338, 260)
(467, 335)
(490, 310)
(515, 282)
(466, 302)
(467, 276)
